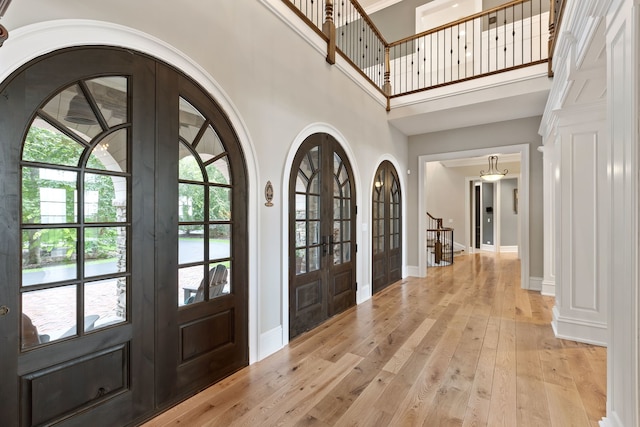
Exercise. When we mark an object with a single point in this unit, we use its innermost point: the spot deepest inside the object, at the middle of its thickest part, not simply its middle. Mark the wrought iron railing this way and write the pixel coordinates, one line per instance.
(514, 35)
(510, 36)
(439, 243)
(359, 41)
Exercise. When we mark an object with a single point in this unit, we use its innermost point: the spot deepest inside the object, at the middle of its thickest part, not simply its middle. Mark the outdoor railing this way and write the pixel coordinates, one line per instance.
(507, 37)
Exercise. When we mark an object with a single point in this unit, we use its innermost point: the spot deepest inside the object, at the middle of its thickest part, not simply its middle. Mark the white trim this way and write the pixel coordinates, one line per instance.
(524, 190)
(286, 172)
(270, 342)
(509, 249)
(414, 271)
(548, 288)
(579, 330)
(535, 284)
(35, 40)
(458, 247)
(612, 420)
(379, 5)
(487, 248)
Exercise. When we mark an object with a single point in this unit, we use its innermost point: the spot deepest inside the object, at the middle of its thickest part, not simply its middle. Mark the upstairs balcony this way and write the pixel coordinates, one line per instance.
(495, 62)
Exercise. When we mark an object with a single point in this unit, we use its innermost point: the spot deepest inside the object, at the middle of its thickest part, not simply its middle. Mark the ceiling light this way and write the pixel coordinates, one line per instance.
(493, 174)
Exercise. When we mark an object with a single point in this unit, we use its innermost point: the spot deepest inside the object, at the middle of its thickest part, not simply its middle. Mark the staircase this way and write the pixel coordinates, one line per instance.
(439, 243)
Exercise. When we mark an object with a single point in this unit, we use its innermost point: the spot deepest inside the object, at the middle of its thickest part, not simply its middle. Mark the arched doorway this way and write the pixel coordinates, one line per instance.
(322, 240)
(127, 190)
(387, 227)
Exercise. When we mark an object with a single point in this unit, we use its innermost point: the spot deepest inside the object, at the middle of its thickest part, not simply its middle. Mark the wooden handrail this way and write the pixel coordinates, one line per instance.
(368, 20)
(328, 32)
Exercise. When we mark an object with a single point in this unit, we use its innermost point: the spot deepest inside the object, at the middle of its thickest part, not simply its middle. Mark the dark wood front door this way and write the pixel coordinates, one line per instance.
(387, 227)
(94, 328)
(322, 278)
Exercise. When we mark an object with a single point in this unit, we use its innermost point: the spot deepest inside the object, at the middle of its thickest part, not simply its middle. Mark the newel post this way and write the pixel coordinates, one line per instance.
(387, 76)
(329, 30)
(552, 35)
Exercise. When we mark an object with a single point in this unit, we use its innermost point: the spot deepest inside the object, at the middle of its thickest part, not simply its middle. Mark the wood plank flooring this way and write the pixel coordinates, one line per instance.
(463, 347)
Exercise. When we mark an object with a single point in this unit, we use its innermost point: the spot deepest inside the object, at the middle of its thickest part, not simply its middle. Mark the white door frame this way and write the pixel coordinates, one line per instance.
(523, 149)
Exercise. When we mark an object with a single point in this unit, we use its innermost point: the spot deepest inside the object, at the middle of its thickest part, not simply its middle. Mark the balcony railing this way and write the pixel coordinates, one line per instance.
(501, 39)
(514, 35)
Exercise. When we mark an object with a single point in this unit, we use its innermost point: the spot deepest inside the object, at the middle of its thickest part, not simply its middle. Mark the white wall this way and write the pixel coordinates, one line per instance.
(278, 86)
(446, 197)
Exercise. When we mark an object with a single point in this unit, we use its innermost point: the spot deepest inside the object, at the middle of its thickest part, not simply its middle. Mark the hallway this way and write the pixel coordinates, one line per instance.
(465, 346)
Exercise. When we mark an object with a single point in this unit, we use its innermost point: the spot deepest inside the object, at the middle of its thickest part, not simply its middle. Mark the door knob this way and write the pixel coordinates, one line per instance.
(4, 310)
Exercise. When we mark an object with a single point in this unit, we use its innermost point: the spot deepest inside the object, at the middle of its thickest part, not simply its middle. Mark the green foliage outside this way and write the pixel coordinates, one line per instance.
(47, 245)
(192, 201)
(41, 246)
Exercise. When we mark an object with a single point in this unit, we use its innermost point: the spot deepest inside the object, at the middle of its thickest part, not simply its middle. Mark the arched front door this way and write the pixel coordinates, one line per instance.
(387, 227)
(124, 197)
(322, 243)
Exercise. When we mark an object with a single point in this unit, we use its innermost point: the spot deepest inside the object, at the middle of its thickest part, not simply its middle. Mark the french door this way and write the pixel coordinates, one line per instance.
(322, 244)
(387, 227)
(124, 190)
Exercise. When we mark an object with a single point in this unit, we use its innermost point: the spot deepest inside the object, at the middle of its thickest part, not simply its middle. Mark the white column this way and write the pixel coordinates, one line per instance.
(623, 110)
(582, 209)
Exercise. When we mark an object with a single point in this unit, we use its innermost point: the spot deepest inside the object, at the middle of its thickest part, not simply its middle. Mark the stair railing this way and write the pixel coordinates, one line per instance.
(514, 35)
(439, 241)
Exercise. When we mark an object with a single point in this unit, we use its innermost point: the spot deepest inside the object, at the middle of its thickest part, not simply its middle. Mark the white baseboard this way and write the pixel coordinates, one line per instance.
(509, 249)
(535, 284)
(488, 248)
(611, 420)
(605, 422)
(270, 342)
(548, 288)
(414, 271)
(459, 247)
(363, 294)
(579, 330)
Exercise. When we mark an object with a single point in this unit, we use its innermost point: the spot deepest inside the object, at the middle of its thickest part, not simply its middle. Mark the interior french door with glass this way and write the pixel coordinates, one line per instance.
(387, 227)
(322, 245)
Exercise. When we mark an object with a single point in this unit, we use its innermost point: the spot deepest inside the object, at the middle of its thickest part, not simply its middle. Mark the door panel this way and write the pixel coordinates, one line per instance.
(322, 234)
(73, 349)
(96, 330)
(202, 194)
(387, 227)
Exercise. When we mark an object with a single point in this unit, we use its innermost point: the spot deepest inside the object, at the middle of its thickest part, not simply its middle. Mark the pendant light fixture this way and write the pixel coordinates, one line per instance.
(493, 174)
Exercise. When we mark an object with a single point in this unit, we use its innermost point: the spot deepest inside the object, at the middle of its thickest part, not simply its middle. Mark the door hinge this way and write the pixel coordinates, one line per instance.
(356, 247)
(356, 209)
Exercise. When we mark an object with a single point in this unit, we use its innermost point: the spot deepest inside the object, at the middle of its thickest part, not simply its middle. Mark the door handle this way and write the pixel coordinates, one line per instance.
(330, 245)
(324, 245)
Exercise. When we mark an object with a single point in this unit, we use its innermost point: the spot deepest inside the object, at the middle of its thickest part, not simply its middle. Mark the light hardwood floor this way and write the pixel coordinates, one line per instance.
(463, 347)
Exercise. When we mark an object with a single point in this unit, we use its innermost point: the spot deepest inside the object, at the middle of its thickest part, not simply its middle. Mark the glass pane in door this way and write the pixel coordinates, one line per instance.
(75, 220)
